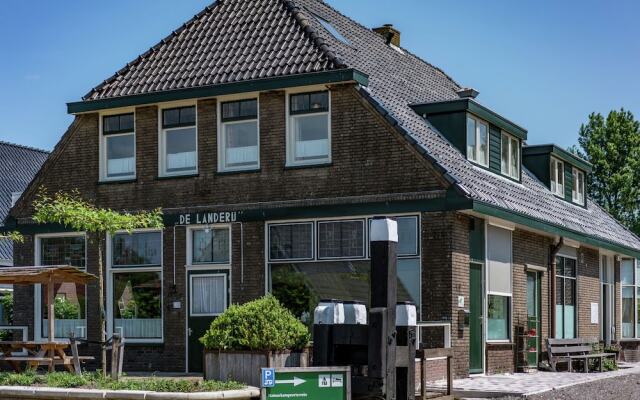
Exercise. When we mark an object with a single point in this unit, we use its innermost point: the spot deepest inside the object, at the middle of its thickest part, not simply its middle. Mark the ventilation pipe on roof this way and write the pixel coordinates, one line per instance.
(468, 93)
(389, 33)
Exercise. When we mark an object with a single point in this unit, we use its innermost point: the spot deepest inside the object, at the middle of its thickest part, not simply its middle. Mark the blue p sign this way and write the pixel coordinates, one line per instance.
(268, 377)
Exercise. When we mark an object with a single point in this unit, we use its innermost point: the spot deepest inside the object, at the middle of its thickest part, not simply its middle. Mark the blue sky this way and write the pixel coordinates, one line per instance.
(543, 64)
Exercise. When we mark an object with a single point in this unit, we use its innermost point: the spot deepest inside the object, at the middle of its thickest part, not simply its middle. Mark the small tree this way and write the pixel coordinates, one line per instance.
(69, 209)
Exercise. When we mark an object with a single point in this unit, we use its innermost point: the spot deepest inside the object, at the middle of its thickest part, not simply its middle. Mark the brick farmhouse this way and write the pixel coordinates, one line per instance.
(270, 132)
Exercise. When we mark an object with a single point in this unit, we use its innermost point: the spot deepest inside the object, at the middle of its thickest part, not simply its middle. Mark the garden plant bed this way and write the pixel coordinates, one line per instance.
(62, 385)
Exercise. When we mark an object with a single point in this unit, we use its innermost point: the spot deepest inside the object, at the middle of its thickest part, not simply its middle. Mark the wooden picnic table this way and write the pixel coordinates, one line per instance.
(41, 353)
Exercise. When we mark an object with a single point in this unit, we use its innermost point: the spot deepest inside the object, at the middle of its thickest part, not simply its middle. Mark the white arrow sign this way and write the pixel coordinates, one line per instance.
(295, 381)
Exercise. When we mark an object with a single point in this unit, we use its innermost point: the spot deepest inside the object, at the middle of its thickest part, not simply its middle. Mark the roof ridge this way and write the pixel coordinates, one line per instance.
(22, 146)
(400, 47)
(317, 40)
(153, 48)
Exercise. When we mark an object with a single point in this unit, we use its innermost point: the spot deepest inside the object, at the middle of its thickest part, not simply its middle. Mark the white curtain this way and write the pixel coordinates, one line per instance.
(499, 260)
(182, 160)
(208, 294)
(118, 166)
(242, 155)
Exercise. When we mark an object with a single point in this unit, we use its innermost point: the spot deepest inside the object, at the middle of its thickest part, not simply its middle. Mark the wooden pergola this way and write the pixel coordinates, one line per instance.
(46, 275)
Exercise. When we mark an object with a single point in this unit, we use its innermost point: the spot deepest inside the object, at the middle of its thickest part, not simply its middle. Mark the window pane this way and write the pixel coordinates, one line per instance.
(299, 103)
(249, 108)
(292, 241)
(188, 115)
(504, 155)
(311, 136)
(300, 286)
(515, 158)
(121, 160)
(70, 310)
(117, 123)
(137, 303)
(210, 246)
(319, 101)
(407, 235)
(142, 249)
(208, 294)
(570, 267)
(471, 139)
(531, 295)
(242, 109)
(627, 312)
(498, 319)
(171, 117)
(309, 102)
(241, 144)
(409, 278)
(340, 239)
(560, 173)
(626, 272)
(483, 137)
(68, 250)
(180, 149)
(569, 308)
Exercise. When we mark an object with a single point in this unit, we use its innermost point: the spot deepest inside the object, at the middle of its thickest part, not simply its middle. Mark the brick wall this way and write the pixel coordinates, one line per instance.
(588, 288)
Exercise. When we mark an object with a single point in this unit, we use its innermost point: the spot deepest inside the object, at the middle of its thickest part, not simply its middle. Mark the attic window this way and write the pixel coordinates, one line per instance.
(333, 31)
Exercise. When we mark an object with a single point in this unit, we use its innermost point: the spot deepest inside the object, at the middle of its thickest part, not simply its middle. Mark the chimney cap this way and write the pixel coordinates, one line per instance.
(468, 93)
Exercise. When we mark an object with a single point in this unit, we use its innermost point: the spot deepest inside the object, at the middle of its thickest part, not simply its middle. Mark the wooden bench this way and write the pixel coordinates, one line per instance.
(570, 350)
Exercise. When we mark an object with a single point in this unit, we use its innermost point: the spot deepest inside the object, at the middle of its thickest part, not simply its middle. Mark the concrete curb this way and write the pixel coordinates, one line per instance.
(26, 392)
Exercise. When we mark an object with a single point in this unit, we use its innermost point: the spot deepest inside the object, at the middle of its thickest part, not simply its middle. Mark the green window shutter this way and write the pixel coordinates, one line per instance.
(568, 182)
(494, 149)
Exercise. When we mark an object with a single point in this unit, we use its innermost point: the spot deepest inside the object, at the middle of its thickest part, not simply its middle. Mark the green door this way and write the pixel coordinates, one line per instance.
(533, 318)
(475, 320)
(208, 296)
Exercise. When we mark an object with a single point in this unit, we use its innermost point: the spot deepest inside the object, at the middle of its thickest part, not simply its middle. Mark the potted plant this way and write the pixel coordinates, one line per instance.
(258, 334)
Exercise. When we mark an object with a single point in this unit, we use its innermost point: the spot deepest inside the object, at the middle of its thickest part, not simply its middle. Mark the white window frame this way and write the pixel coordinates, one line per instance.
(477, 121)
(607, 267)
(577, 196)
(110, 271)
(37, 298)
(162, 140)
(313, 221)
(635, 286)
(486, 276)
(103, 170)
(222, 136)
(226, 293)
(189, 260)
(553, 174)
(511, 140)
(576, 315)
(290, 139)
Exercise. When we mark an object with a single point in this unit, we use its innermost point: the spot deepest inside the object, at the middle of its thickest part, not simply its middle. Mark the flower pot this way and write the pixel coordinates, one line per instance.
(244, 366)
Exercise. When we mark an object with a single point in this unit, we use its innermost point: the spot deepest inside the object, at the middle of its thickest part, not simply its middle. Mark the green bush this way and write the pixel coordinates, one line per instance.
(262, 324)
(66, 380)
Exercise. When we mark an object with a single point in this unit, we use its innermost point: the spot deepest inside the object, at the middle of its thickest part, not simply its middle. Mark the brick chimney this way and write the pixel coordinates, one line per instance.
(389, 33)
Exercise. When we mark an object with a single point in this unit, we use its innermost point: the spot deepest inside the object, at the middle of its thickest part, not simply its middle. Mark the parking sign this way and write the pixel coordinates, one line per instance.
(268, 377)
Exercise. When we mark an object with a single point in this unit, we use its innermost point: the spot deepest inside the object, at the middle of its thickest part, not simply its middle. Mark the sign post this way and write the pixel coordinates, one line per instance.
(314, 383)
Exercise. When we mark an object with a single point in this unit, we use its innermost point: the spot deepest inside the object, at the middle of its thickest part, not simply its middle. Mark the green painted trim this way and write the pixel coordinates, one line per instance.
(535, 223)
(473, 107)
(255, 85)
(558, 152)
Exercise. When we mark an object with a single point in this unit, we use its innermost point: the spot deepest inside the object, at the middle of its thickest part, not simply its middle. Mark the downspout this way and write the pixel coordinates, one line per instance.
(552, 285)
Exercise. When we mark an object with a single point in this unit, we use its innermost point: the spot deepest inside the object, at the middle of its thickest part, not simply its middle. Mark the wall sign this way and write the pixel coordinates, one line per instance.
(207, 218)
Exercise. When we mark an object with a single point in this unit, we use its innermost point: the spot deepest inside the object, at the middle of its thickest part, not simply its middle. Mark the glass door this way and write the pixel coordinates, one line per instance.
(533, 331)
(606, 299)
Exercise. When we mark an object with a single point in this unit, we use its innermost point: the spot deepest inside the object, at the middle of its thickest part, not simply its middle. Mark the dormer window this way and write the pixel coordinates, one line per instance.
(477, 141)
(578, 186)
(510, 156)
(557, 177)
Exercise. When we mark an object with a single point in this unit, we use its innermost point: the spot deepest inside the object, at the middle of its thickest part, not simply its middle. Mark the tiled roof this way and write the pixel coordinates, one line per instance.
(235, 40)
(18, 165)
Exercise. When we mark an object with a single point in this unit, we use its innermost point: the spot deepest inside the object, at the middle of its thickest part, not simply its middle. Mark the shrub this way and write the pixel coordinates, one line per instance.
(262, 324)
(66, 380)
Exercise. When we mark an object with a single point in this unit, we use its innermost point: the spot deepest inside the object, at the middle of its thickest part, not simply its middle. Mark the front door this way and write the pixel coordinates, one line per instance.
(207, 298)
(533, 318)
(476, 360)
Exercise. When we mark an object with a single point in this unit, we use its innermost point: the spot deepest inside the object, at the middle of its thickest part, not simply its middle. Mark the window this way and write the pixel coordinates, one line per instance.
(630, 281)
(477, 141)
(70, 299)
(557, 177)
(136, 285)
(118, 147)
(510, 156)
(178, 142)
(208, 294)
(333, 31)
(565, 297)
(578, 186)
(210, 246)
(299, 278)
(308, 140)
(239, 137)
(607, 296)
(291, 241)
(499, 288)
(341, 239)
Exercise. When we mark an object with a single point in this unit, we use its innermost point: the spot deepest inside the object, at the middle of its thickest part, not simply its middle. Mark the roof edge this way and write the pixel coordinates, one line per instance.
(532, 222)
(559, 152)
(253, 85)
